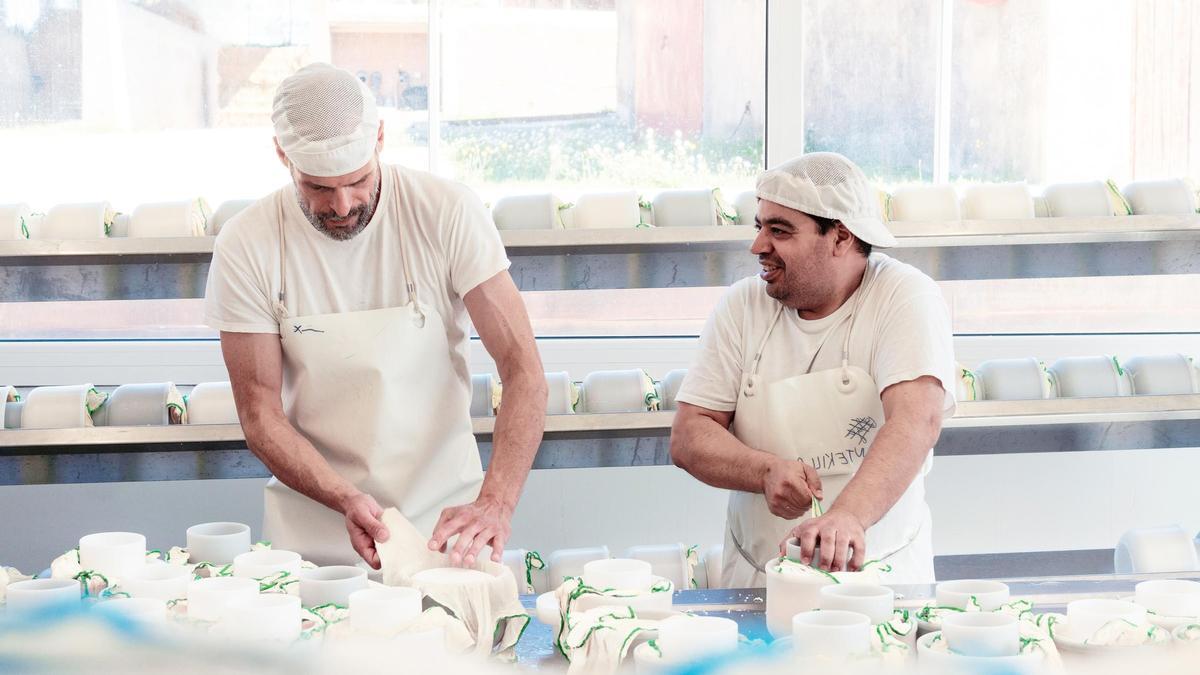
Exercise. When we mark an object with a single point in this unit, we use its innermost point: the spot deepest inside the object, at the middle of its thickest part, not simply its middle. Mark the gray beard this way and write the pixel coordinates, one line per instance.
(362, 217)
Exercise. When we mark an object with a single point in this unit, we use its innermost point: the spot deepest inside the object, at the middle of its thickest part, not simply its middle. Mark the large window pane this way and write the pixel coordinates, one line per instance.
(1088, 89)
(998, 90)
(572, 97)
(870, 84)
(136, 102)
(386, 43)
(1041, 90)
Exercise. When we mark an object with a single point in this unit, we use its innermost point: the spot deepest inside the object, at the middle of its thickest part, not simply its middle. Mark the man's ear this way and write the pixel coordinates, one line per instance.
(379, 138)
(844, 241)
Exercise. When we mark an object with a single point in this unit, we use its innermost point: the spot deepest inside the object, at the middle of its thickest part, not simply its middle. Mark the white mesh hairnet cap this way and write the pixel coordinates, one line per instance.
(827, 184)
(325, 120)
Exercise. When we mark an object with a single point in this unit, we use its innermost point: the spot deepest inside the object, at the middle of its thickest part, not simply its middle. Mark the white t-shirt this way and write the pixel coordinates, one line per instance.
(902, 333)
(447, 235)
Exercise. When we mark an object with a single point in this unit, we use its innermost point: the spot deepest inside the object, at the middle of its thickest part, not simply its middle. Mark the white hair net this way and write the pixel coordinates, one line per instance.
(325, 120)
(828, 185)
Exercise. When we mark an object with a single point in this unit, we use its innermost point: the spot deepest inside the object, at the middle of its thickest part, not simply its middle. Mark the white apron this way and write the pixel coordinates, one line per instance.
(374, 392)
(829, 420)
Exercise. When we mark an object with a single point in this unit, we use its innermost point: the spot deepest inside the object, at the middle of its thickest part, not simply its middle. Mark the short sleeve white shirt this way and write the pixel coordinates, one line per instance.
(442, 227)
(902, 332)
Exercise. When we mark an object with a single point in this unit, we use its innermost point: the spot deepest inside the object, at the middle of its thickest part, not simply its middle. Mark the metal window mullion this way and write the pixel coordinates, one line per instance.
(784, 137)
(434, 88)
(941, 111)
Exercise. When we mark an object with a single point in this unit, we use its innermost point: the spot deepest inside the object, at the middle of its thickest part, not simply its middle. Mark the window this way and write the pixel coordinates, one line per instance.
(137, 102)
(1041, 92)
(143, 101)
(870, 84)
(140, 101)
(569, 97)
(1035, 90)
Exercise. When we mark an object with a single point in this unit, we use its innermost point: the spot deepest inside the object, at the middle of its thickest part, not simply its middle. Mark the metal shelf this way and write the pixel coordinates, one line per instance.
(990, 414)
(543, 260)
(112, 251)
(1072, 425)
(911, 234)
(1112, 229)
(957, 250)
(612, 425)
(970, 415)
(127, 439)
(583, 441)
(155, 438)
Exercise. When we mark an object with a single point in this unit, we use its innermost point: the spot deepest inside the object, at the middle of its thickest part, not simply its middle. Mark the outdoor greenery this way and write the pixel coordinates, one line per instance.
(597, 151)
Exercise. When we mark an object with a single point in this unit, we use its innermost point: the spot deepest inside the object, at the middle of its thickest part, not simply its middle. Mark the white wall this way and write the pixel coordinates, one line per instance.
(1051, 502)
(561, 508)
(40, 522)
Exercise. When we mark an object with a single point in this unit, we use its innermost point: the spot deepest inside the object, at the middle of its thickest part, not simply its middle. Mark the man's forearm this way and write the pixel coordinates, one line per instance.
(889, 468)
(293, 460)
(712, 454)
(520, 423)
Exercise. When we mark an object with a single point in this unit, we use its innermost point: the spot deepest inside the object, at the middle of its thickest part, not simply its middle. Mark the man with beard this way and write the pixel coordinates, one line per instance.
(824, 379)
(344, 302)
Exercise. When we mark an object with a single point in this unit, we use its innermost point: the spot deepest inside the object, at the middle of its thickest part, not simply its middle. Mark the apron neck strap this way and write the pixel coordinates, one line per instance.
(281, 312)
(762, 344)
(410, 283)
(859, 293)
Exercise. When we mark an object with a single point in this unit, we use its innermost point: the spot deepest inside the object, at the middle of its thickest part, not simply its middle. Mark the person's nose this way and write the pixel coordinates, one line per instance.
(761, 244)
(342, 202)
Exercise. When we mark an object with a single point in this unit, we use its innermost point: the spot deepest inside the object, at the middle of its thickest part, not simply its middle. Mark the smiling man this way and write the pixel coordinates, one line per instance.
(344, 302)
(823, 381)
